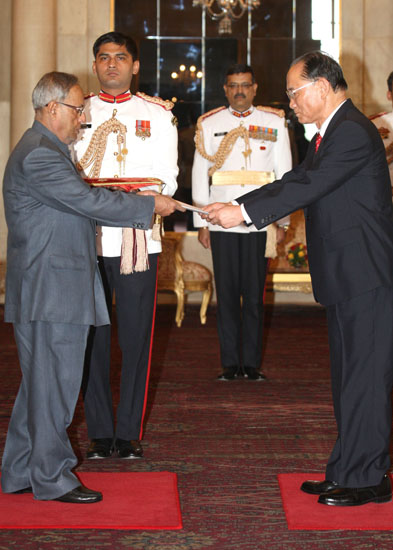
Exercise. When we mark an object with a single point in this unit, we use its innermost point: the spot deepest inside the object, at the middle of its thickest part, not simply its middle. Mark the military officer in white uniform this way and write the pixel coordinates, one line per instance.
(384, 122)
(130, 136)
(238, 138)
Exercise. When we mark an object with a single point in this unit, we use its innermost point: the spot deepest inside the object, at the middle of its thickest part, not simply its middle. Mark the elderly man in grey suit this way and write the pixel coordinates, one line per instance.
(53, 288)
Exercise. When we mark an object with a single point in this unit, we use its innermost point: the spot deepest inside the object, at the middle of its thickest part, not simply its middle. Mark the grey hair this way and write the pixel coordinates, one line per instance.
(52, 86)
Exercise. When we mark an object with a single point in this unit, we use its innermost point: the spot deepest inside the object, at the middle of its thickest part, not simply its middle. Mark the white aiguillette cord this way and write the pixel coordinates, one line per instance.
(134, 253)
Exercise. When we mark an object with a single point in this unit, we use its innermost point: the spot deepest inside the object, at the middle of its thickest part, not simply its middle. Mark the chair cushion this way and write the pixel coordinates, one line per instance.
(166, 262)
(192, 271)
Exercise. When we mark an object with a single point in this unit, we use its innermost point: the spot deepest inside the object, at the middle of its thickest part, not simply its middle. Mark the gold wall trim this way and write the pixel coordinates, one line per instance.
(289, 282)
(112, 16)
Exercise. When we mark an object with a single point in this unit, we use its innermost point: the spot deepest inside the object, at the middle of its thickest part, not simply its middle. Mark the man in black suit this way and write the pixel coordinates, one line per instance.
(343, 185)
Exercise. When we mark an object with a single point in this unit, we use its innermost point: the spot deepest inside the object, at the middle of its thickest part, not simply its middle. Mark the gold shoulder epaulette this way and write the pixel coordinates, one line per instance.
(212, 112)
(377, 115)
(278, 112)
(88, 96)
(166, 103)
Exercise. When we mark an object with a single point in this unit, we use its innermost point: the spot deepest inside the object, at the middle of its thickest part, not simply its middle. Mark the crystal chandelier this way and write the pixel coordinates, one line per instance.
(226, 11)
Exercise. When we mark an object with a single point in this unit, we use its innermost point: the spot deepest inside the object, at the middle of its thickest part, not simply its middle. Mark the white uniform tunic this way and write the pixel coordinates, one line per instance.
(266, 156)
(385, 121)
(154, 156)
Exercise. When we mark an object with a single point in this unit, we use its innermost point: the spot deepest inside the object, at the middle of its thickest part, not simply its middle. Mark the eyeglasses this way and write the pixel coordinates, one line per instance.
(79, 110)
(292, 93)
(245, 85)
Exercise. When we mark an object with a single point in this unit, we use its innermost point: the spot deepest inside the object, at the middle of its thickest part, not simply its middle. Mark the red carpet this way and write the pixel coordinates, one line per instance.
(303, 511)
(147, 501)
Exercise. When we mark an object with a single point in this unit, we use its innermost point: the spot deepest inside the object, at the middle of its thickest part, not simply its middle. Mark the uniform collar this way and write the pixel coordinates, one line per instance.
(238, 114)
(121, 98)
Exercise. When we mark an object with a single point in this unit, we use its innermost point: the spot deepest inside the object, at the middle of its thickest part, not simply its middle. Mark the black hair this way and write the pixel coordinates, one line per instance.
(320, 65)
(390, 82)
(240, 68)
(117, 38)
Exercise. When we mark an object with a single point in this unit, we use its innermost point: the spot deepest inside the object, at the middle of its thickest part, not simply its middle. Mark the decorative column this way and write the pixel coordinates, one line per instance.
(33, 54)
(366, 51)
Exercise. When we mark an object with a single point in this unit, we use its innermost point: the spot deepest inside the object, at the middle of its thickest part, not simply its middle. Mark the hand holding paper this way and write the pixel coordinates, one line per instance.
(225, 214)
(165, 205)
(186, 206)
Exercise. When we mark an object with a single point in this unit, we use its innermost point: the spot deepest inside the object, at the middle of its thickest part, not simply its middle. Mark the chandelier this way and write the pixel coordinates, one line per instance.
(185, 75)
(228, 11)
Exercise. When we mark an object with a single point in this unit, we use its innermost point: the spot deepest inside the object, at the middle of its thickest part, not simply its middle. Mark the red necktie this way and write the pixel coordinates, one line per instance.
(318, 141)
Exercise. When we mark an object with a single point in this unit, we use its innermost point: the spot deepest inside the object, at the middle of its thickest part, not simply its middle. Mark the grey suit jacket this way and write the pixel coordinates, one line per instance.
(345, 190)
(51, 214)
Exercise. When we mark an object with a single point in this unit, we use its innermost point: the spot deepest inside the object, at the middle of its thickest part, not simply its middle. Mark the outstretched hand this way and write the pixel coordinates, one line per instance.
(166, 205)
(225, 214)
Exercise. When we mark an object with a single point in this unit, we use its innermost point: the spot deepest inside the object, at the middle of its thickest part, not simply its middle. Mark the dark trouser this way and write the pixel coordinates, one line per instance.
(37, 452)
(135, 306)
(239, 271)
(361, 356)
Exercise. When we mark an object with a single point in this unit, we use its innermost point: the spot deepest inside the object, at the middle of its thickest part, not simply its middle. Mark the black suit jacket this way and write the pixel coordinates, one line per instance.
(345, 191)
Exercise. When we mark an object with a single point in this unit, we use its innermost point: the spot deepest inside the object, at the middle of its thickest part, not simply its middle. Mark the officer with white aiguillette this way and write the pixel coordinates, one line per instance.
(239, 148)
(130, 136)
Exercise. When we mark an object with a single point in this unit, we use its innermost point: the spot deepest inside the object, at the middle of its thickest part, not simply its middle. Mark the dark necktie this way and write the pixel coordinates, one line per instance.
(318, 141)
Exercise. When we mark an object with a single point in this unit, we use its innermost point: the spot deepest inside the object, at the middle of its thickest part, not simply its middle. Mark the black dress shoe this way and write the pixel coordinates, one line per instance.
(358, 496)
(129, 449)
(318, 487)
(80, 495)
(100, 448)
(253, 374)
(229, 373)
(23, 491)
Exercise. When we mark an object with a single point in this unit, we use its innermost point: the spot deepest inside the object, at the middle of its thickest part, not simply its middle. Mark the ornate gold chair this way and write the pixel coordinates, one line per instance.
(182, 276)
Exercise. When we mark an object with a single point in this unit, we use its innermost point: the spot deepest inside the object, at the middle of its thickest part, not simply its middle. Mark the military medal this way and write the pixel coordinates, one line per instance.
(142, 128)
(263, 132)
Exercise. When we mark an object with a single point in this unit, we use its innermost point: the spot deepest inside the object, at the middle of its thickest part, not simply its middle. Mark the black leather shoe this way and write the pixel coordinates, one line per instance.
(229, 373)
(23, 491)
(129, 449)
(253, 374)
(318, 487)
(100, 448)
(358, 496)
(80, 495)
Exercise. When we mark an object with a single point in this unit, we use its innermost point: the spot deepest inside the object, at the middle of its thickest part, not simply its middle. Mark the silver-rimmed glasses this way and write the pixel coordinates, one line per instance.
(292, 93)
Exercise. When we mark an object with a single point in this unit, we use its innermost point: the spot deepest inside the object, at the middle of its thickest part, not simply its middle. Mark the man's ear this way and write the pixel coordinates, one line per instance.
(389, 96)
(52, 107)
(324, 86)
(94, 68)
(136, 66)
